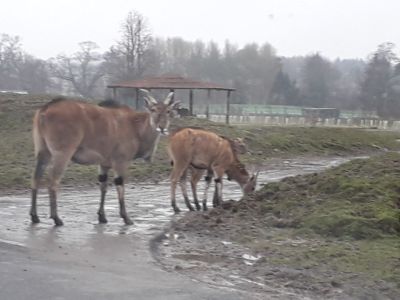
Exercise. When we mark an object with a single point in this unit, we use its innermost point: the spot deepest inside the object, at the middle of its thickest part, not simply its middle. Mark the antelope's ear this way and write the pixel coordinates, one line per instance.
(149, 100)
(255, 176)
(240, 146)
(149, 104)
(175, 105)
(239, 140)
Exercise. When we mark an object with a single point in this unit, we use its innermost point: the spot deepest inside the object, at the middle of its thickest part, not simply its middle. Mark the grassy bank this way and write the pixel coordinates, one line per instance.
(353, 211)
(16, 159)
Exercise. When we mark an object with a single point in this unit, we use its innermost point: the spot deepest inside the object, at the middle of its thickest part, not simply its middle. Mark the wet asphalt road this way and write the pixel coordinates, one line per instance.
(86, 260)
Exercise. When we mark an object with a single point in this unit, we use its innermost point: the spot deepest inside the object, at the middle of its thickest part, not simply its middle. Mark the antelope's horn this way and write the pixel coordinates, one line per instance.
(148, 96)
(168, 100)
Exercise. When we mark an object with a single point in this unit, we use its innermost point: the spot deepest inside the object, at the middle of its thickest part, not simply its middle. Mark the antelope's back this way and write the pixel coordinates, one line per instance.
(70, 122)
(198, 145)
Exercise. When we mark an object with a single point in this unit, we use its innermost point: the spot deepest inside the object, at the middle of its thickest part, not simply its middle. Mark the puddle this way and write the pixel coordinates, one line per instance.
(148, 205)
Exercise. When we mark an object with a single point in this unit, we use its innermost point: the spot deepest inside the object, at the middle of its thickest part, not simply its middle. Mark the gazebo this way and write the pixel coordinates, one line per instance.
(172, 83)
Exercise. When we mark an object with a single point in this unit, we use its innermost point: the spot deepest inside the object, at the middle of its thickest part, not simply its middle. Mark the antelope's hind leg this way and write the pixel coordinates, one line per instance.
(182, 183)
(59, 164)
(42, 161)
(179, 168)
(196, 176)
(103, 177)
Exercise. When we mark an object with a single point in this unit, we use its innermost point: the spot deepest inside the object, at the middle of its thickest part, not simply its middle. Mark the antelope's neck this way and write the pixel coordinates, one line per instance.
(148, 137)
(238, 173)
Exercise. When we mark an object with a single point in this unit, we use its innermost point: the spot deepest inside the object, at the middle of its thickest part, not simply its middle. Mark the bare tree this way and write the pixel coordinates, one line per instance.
(83, 70)
(10, 58)
(33, 75)
(127, 60)
(19, 70)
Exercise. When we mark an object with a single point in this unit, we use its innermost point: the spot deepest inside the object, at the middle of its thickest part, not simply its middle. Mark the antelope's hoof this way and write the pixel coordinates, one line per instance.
(177, 210)
(102, 219)
(191, 208)
(198, 207)
(128, 221)
(58, 221)
(35, 219)
(205, 208)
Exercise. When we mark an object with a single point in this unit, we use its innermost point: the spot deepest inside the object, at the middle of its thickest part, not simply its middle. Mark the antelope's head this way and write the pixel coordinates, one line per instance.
(160, 112)
(251, 184)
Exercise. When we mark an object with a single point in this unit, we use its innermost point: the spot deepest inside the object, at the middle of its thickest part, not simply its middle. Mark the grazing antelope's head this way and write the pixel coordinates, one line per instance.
(251, 184)
(160, 112)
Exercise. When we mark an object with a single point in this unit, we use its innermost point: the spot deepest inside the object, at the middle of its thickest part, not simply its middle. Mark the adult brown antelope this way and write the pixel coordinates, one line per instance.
(109, 135)
(193, 148)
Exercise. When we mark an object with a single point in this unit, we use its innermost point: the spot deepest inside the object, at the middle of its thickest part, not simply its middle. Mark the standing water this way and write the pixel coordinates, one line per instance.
(148, 204)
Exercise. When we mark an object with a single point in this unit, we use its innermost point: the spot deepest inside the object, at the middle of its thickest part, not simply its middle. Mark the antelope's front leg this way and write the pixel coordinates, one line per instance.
(217, 200)
(119, 183)
(58, 166)
(208, 182)
(103, 176)
(182, 183)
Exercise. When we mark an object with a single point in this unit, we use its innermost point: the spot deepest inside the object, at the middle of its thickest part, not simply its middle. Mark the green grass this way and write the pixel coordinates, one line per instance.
(376, 259)
(359, 199)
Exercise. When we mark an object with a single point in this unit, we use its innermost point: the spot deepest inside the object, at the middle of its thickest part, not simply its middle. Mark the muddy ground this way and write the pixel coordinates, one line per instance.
(233, 246)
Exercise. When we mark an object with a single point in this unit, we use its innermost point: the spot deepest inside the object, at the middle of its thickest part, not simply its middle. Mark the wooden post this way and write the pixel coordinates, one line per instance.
(114, 93)
(208, 104)
(137, 98)
(228, 103)
(191, 102)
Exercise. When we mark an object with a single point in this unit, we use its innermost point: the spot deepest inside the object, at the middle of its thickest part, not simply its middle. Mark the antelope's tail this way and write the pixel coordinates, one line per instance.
(38, 140)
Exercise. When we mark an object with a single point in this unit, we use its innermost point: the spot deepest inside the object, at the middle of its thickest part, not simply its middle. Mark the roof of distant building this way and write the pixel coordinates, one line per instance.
(169, 82)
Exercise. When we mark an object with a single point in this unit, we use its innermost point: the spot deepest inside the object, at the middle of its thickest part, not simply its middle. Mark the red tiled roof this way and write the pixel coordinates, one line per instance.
(169, 82)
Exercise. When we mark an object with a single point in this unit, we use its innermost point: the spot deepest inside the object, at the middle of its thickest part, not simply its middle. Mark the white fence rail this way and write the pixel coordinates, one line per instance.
(303, 121)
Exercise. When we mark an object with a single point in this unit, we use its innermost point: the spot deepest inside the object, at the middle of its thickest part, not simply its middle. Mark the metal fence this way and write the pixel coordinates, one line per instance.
(272, 110)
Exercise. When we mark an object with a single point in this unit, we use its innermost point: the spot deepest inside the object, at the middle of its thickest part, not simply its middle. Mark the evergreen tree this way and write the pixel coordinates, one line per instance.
(284, 91)
(374, 87)
(318, 81)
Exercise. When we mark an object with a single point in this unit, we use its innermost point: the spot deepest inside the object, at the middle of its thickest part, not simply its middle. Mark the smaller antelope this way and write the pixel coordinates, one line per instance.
(109, 135)
(239, 147)
(199, 150)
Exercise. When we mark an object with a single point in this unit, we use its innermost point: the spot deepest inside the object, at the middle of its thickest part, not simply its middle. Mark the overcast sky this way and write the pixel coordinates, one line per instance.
(334, 28)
